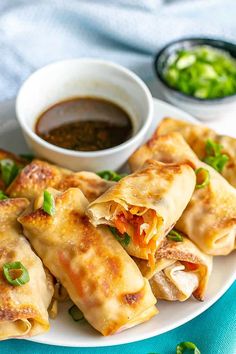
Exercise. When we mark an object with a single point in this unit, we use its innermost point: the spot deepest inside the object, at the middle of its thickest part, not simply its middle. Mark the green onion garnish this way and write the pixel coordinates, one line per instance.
(16, 266)
(175, 236)
(181, 347)
(217, 162)
(214, 156)
(203, 177)
(111, 175)
(9, 170)
(119, 177)
(3, 196)
(213, 148)
(28, 157)
(107, 175)
(75, 313)
(123, 239)
(48, 203)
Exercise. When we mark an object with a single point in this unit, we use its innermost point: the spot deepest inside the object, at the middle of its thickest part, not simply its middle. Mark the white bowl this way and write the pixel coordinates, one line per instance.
(204, 109)
(84, 78)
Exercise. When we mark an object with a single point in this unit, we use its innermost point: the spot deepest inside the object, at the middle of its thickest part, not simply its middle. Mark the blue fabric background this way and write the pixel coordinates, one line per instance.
(34, 33)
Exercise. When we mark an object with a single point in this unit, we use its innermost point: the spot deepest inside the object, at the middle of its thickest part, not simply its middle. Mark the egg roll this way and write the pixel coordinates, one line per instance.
(23, 308)
(100, 277)
(197, 135)
(145, 205)
(210, 217)
(39, 175)
(181, 270)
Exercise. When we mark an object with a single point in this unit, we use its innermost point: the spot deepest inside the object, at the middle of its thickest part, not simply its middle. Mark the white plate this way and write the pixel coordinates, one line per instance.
(64, 331)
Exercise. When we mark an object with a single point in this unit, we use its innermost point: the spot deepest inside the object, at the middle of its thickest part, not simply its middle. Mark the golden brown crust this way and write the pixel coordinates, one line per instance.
(94, 268)
(196, 136)
(187, 251)
(169, 250)
(39, 175)
(209, 219)
(163, 189)
(34, 178)
(89, 183)
(23, 309)
(8, 313)
(172, 253)
(10, 210)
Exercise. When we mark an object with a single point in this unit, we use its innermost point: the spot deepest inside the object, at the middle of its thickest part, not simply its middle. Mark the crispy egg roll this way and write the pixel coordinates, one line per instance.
(181, 270)
(100, 277)
(197, 135)
(145, 205)
(210, 218)
(23, 309)
(39, 175)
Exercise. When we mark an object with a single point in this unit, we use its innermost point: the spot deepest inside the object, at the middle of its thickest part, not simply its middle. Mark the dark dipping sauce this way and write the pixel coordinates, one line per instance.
(84, 124)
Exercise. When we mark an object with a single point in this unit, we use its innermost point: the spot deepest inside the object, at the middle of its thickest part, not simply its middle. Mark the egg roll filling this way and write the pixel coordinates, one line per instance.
(141, 224)
(177, 281)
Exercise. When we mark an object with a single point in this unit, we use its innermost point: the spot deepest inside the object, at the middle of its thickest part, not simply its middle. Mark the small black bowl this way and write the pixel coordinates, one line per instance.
(162, 56)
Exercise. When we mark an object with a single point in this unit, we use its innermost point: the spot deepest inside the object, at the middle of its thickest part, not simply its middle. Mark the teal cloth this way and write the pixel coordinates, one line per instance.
(214, 332)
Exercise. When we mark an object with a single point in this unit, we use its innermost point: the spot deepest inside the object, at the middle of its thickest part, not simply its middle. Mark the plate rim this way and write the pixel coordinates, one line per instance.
(153, 333)
(186, 319)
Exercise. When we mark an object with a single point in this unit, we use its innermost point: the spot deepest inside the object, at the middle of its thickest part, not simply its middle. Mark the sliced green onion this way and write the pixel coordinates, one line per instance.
(9, 170)
(75, 313)
(175, 236)
(107, 175)
(185, 61)
(217, 162)
(3, 196)
(181, 347)
(22, 279)
(124, 239)
(203, 176)
(202, 71)
(118, 177)
(110, 175)
(48, 203)
(214, 157)
(213, 148)
(28, 157)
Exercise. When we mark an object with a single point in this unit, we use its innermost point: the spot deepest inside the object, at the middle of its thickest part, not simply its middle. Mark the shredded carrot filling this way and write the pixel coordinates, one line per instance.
(135, 218)
(124, 220)
(138, 237)
(152, 245)
(121, 224)
(151, 260)
(136, 210)
(190, 266)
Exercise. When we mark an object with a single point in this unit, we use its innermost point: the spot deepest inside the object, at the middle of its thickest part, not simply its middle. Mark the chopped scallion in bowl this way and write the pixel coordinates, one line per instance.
(202, 72)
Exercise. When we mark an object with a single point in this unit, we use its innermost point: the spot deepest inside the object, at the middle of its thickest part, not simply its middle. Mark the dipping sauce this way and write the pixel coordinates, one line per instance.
(84, 124)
